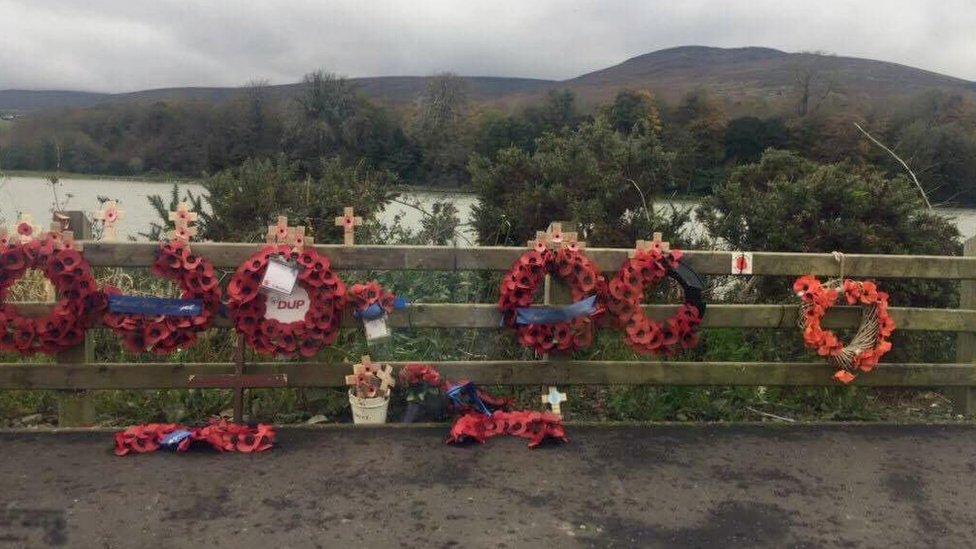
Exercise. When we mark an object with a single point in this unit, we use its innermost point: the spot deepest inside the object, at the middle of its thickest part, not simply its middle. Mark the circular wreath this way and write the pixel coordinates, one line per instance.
(644, 271)
(165, 334)
(870, 342)
(79, 301)
(320, 327)
(519, 286)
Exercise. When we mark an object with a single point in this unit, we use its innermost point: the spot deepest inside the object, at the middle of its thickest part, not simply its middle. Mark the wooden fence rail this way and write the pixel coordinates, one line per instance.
(75, 370)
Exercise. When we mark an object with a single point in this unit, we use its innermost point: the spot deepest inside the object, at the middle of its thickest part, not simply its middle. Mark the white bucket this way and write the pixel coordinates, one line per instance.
(368, 410)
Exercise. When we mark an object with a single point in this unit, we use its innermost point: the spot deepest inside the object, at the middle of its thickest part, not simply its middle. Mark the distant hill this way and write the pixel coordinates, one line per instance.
(743, 76)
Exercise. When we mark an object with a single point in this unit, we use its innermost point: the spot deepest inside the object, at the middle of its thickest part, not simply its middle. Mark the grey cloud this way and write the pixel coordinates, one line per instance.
(137, 44)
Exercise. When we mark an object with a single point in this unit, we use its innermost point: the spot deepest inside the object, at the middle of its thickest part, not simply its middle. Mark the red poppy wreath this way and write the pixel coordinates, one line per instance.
(163, 334)
(870, 342)
(519, 286)
(79, 301)
(247, 305)
(648, 266)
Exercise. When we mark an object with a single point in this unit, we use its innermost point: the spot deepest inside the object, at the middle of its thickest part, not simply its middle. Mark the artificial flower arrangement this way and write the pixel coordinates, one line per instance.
(529, 270)
(648, 267)
(424, 396)
(218, 434)
(872, 339)
(369, 391)
(80, 303)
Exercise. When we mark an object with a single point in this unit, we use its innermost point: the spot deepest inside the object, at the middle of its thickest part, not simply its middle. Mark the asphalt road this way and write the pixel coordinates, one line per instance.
(689, 486)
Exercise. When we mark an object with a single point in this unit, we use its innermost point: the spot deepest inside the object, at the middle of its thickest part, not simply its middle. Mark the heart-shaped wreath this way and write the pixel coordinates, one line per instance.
(247, 304)
(870, 342)
(643, 271)
(519, 286)
(79, 301)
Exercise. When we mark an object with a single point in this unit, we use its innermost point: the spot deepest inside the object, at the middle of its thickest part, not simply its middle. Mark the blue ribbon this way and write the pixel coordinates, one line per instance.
(172, 440)
(374, 311)
(154, 306)
(466, 394)
(555, 315)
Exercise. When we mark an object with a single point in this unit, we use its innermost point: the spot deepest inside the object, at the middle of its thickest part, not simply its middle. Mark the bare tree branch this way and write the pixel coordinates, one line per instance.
(902, 162)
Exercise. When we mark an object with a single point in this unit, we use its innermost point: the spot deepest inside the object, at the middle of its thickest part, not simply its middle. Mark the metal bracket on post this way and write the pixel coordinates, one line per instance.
(237, 381)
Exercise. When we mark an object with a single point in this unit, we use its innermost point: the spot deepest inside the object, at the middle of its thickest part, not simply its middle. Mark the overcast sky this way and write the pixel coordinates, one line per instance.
(125, 45)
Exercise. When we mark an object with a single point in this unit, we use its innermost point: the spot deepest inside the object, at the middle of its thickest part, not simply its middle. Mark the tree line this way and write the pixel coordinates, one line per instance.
(444, 139)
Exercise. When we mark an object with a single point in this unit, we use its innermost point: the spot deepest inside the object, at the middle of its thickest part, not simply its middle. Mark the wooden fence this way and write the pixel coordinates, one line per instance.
(75, 370)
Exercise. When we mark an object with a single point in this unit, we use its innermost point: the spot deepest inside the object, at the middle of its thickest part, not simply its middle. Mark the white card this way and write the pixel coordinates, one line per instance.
(279, 277)
(376, 329)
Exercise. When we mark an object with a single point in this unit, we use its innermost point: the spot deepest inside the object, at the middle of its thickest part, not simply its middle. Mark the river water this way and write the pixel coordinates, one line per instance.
(35, 196)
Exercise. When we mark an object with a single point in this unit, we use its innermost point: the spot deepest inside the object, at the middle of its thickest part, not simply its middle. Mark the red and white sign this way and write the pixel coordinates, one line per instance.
(287, 308)
(742, 263)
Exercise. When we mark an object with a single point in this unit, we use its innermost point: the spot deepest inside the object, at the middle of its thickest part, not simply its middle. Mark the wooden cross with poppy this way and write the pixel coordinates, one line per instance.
(279, 233)
(25, 228)
(540, 242)
(348, 221)
(656, 244)
(556, 234)
(4, 236)
(571, 242)
(109, 215)
(182, 219)
(298, 240)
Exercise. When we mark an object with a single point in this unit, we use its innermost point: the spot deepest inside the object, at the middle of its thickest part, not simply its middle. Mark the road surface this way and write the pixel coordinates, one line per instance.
(647, 486)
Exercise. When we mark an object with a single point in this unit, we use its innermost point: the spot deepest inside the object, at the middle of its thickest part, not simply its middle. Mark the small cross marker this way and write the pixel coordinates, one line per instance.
(279, 232)
(109, 215)
(572, 243)
(182, 219)
(298, 240)
(555, 234)
(26, 228)
(656, 244)
(554, 398)
(4, 236)
(539, 244)
(348, 221)
(68, 242)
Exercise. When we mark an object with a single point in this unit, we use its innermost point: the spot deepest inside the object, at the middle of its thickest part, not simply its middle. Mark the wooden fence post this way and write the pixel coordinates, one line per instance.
(76, 408)
(964, 398)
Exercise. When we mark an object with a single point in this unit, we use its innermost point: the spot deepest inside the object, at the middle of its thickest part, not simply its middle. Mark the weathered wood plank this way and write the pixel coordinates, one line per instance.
(964, 398)
(441, 258)
(569, 372)
(486, 316)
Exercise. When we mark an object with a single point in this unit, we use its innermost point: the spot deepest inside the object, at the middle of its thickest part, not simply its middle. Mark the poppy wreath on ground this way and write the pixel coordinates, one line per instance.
(79, 305)
(162, 334)
(247, 304)
(645, 270)
(870, 342)
(519, 286)
(220, 435)
(534, 426)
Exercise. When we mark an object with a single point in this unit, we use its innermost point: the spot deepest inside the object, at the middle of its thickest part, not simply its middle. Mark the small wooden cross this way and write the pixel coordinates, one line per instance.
(554, 398)
(68, 242)
(109, 215)
(183, 213)
(555, 234)
(183, 232)
(25, 228)
(182, 219)
(297, 238)
(656, 244)
(539, 244)
(385, 374)
(4, 236)
(349, 221)
(279, 232)
(570, 241)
